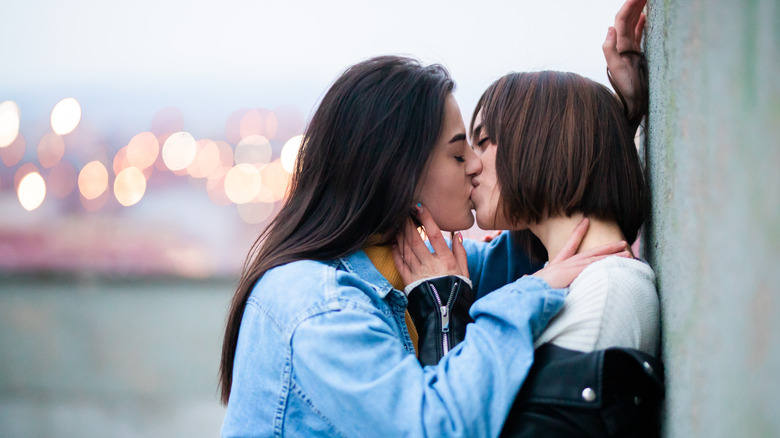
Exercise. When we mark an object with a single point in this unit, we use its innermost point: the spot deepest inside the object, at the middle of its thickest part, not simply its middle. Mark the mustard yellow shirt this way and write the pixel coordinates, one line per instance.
(382, 258)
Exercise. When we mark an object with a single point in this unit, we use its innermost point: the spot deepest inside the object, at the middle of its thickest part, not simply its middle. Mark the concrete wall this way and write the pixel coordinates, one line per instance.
(110, 358)
(714, 163)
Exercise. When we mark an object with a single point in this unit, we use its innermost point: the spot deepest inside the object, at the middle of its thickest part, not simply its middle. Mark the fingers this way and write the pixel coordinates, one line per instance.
(571, 245)
(407, 243)
(414, 243)
(432, 230)
(638, 32)
(400, 264)
(611, 53)
(626, 22)
(460, 254)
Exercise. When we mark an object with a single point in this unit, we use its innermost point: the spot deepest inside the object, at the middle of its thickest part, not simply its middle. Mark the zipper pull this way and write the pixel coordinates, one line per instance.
(445, 319)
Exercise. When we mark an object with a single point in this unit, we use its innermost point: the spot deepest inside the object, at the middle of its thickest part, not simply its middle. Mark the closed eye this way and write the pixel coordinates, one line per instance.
(460, 158)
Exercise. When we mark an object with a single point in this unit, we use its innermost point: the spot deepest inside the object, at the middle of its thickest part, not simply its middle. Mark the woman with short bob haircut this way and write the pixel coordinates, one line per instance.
(556, 147)
(317, 339)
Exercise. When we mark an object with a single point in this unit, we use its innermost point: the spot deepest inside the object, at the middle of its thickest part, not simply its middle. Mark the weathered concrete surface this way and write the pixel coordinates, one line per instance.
(713, 157)
(108, 358)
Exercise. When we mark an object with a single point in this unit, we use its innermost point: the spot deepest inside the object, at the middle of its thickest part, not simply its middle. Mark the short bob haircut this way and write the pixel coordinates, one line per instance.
(564, 147)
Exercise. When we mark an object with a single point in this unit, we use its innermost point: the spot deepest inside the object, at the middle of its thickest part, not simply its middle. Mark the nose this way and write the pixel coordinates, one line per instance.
(473, 163)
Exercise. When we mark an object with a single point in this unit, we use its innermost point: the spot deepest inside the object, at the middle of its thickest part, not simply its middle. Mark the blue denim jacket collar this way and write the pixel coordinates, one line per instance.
(359, 264)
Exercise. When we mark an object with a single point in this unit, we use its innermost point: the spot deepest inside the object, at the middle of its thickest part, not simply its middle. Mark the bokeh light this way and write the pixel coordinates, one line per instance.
(179, 150)
(121, 162)
(226, 155)
(290, 152)
(21, 172)
(51, 149)
(93, 180)
(255, 150)
(9, 122)
(65, 116)
(290, 121)
(13, 153)
(32, 191)
(275, 180)
(62, 179)
(255, 212)
(233, 125)
(242, 183)
(129, 186)
(95, 204)
(258, 122)
(206, 160)
(143, 149)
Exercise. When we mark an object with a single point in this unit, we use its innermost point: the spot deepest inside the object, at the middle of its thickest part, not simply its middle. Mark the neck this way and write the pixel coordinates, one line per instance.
(555, 231)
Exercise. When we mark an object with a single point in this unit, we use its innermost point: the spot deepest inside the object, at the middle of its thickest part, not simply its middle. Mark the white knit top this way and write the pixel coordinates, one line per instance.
(612, 303)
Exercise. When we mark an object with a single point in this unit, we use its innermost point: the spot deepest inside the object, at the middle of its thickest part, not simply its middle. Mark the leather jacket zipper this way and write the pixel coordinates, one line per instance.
(444, 313)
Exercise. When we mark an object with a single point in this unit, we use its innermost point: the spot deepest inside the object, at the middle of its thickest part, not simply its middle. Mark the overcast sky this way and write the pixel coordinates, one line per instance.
(125, 60)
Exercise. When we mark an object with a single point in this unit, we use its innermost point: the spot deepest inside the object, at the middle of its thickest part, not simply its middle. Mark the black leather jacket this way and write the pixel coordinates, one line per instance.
(439, 308)
(615, 392)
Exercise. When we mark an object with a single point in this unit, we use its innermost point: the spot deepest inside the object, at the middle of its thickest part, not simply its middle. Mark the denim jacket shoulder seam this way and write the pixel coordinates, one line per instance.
(254, 302)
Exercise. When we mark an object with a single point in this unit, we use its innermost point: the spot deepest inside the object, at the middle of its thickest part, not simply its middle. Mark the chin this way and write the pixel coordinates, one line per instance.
(464, 224)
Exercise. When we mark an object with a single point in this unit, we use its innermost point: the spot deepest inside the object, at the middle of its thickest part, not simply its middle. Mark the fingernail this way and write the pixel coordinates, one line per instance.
(460, 237)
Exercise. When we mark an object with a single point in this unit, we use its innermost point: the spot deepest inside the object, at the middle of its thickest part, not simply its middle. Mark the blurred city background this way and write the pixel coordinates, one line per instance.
(145, 144)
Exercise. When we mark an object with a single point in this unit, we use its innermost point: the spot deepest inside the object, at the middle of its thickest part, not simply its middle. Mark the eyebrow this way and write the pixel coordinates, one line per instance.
(476, 132)
(458, 137)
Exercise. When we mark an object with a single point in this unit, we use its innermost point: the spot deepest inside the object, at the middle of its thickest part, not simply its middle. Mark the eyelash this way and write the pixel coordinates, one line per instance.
(460, 158)
(481, 143)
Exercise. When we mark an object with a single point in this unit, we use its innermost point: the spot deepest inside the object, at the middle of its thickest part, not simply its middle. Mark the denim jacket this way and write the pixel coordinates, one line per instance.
(323, 350)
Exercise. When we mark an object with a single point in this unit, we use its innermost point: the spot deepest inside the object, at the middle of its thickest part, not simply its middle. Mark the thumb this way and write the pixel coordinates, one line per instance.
(460, 254)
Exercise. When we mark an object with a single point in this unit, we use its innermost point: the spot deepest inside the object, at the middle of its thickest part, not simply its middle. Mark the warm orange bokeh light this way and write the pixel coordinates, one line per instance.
(95, 204)
(179, 151)
(258, 122)
(206, 161)
(290, 152)
(62, 179)
(13, 153)
(22, 171)
(255, 150)
(129, 186)
(120, 161)
(9, 122)
(51, 149)
(32, 191)
(93, 180)
(242, 183)
(275, 180)
(65, 116)
(143, 149)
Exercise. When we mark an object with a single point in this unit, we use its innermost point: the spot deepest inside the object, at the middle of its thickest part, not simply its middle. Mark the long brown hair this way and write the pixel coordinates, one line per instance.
(361, 157)
(564, 146)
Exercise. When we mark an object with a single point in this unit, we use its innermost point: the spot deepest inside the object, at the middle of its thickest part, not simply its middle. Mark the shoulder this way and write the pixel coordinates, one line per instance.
(292, 292)
(626, 294)
(619, 276)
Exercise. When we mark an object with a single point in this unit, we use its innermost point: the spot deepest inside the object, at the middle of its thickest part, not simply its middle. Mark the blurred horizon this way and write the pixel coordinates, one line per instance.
(212, 76)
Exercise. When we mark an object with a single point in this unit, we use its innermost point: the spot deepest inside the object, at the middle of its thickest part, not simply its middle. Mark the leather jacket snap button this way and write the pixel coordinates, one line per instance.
(588, 394)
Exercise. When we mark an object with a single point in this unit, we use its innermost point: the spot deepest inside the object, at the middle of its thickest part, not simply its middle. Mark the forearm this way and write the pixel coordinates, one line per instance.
(381, 389)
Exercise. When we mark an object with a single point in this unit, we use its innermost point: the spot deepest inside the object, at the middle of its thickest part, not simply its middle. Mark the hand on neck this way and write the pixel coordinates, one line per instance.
(555, 231)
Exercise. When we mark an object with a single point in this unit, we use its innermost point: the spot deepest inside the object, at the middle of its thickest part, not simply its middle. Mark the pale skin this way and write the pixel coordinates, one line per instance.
(572, 242)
